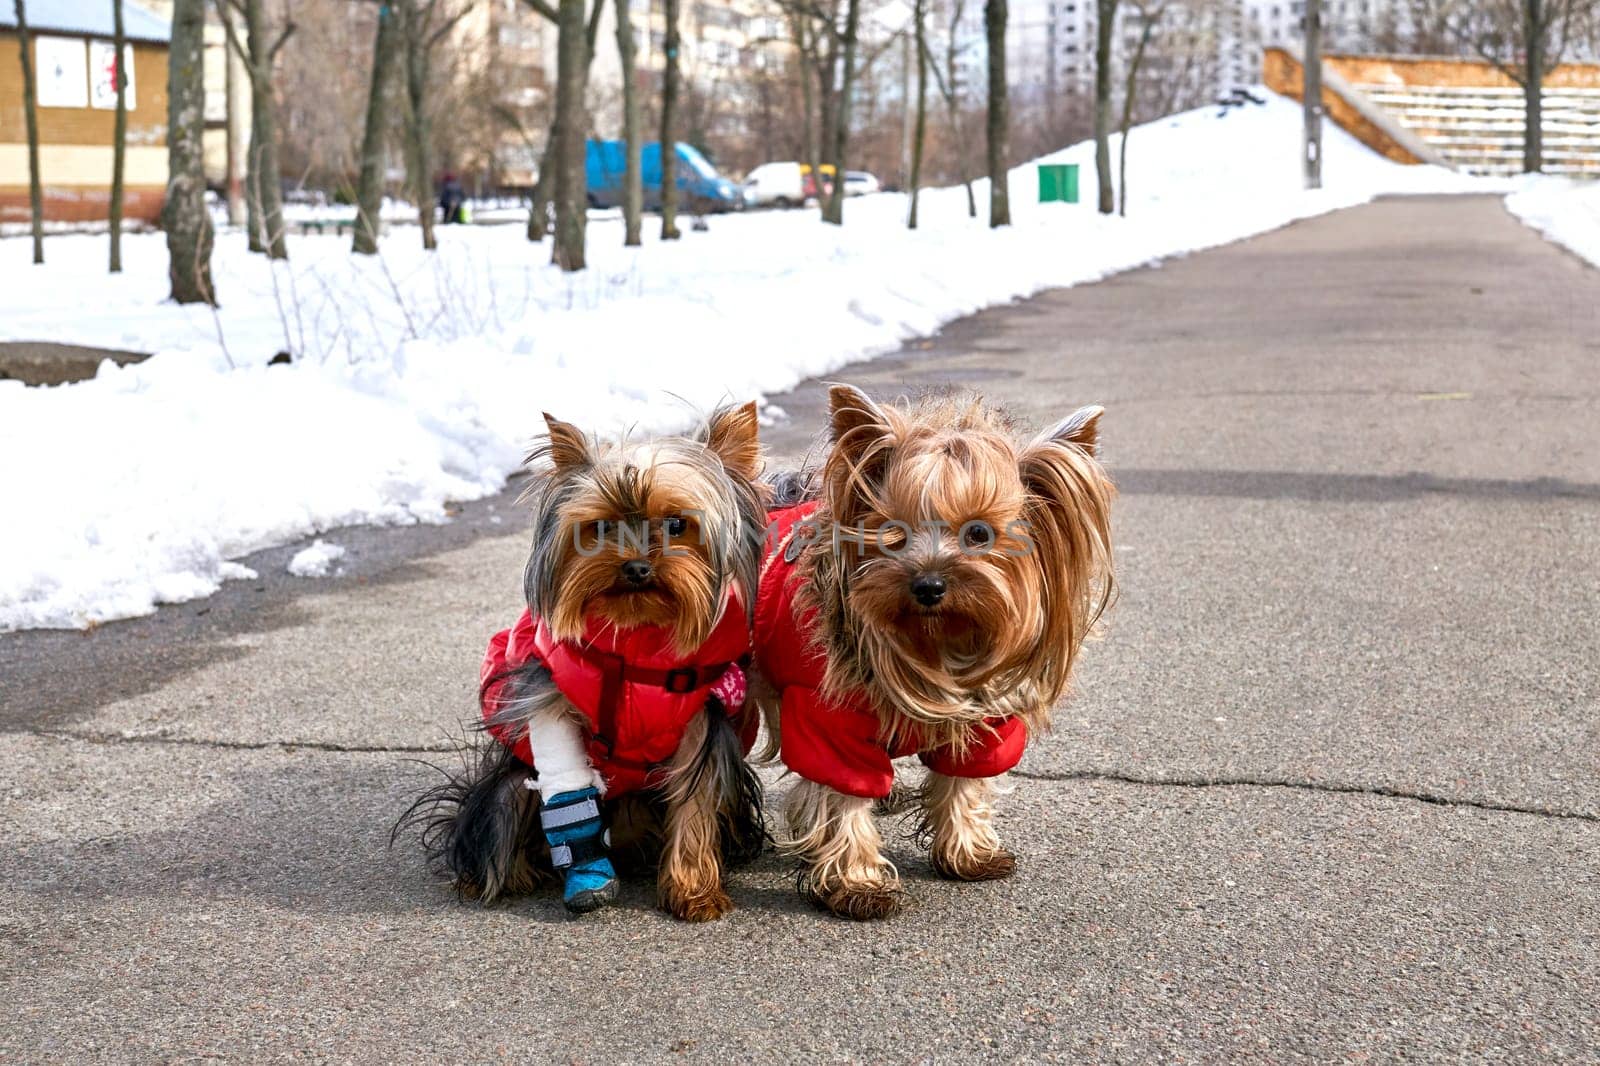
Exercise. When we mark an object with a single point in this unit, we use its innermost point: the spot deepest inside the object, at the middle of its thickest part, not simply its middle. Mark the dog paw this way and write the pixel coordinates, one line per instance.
(993, 866)
(862, 903)
(696, 906)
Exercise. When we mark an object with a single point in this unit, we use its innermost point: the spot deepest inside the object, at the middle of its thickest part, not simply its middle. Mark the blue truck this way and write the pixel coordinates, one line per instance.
(701, 190)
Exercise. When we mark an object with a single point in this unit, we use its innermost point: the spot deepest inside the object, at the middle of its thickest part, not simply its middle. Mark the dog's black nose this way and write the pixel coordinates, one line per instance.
(637, 571)
(928, 589)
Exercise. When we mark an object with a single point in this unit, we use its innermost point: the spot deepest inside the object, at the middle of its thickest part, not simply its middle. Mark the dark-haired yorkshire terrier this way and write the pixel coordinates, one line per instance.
(619, 695)
(929, 600)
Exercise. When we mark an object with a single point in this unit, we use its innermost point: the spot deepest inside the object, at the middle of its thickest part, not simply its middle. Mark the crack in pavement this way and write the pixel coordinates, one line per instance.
(1196, 782)
(1333, 788)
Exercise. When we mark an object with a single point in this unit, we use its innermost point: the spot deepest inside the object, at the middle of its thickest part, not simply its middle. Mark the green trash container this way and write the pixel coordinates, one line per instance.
(1058, 182)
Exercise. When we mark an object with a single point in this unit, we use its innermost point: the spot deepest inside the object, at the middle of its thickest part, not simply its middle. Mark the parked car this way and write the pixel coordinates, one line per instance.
(859, 183)
(776, 185)
(701, 190)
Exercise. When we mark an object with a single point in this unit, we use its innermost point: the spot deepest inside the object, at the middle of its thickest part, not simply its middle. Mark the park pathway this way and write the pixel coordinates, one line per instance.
(1329, 791)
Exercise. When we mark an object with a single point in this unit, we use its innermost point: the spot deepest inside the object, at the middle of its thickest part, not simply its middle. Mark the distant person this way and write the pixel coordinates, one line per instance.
(451, 198)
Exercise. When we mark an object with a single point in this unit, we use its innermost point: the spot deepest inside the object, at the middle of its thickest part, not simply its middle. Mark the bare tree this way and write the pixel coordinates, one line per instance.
(839, 136)
(1149, 15)
(549, 161)
(669, 126)
(264, 187)
(994, 21)
(184, 215)
(30, 111)
(946, 82)
(827, 39)
(919, 131)
(572, 70)
(1524, 39)
(119, 137)
(1105, 25)
(374, 159)
(423, 24)
(809, 67)
(632, 179)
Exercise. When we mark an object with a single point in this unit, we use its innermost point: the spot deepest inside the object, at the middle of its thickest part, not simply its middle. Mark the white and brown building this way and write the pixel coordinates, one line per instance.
(74, 62)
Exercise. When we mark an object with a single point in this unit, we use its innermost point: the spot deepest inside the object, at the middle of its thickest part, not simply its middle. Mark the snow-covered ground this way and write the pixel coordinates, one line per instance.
(419, 378)
(1565, 210)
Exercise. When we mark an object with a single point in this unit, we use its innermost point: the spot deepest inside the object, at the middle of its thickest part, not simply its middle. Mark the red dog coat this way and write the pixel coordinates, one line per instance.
(837, 742)
(636, 692)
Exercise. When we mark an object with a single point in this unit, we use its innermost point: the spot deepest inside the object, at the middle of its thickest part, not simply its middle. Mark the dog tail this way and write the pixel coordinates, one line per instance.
(480, 825)
(740, 817)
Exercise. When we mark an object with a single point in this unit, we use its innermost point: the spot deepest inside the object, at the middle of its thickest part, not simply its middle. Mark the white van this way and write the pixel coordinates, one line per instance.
(775, 185)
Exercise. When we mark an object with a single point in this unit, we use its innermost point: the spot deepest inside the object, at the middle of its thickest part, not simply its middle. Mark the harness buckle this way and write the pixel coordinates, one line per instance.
(681, 680)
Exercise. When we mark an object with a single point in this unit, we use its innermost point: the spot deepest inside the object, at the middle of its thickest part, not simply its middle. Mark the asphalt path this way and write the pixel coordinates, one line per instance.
(1328, 790)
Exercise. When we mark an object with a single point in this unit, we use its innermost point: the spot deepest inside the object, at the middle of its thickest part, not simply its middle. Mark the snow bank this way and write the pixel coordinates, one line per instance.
(1565, 210)
(420, 378)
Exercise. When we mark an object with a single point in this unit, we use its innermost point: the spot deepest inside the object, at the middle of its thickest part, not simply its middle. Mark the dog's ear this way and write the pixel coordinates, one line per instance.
(855, 421)
(1068, 523)
(1081, 427)
(734, 433)
(567, 447)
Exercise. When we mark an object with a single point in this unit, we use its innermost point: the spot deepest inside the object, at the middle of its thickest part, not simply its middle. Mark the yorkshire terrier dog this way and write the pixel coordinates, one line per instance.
(619, 693)
(929, 599)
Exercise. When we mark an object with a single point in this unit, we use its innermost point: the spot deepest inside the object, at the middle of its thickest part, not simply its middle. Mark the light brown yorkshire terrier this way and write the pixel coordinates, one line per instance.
(929, 599)
(617, 700)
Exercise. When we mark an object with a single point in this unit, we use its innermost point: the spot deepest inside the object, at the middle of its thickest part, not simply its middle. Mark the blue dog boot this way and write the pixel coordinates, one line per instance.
(578, 840)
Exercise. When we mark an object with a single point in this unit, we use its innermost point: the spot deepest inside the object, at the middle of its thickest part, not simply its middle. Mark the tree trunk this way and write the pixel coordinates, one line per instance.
(254, 227)
(234, 85)
(539, 210)
(570, 199)
(919, 130)
(632, 179)
(1533, 86)
(265, 192)
(994, 20)
(1129, 91)
(30, 111)
(119, 139)
(1311, 94)
(833, 210)
(806, 66)
(269, 185)
(374, 159)
(1104, 27)
(669, 124)
(419, 132)
(952, 103)
(827, 101)
(184, 215)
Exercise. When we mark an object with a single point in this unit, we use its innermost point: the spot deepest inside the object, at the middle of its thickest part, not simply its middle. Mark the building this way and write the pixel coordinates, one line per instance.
(510, 53)
(1051, 46)
(74, 62)
(227, 108)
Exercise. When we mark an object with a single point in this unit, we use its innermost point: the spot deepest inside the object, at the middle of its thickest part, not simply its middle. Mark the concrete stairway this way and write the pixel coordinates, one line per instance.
(1479, 130)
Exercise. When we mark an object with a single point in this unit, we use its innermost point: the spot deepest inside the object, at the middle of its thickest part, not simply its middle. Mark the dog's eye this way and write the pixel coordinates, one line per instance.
(976, 535)
(603, 528)
(676, 526)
